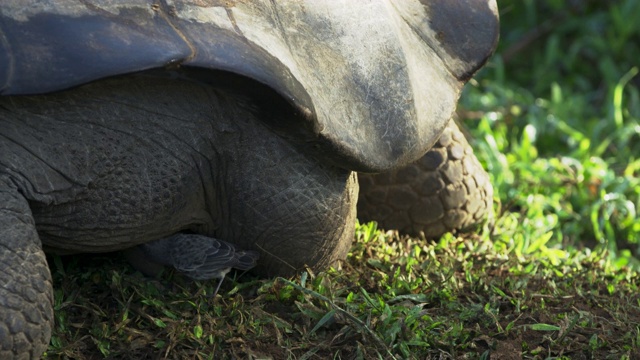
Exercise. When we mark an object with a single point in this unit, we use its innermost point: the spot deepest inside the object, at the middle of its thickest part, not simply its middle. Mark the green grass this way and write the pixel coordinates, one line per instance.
(394, 297)
(555, 118)
(558, 125)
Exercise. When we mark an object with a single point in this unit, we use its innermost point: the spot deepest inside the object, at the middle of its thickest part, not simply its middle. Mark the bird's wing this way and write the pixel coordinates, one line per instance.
(246, 259)
(201, 257)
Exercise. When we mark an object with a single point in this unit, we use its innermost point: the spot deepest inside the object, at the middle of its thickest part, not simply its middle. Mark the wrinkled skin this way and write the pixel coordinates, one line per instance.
(152, 156)
(143, 167)
(110, 164)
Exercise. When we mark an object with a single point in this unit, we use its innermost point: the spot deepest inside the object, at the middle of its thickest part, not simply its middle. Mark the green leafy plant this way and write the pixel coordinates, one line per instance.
(555, 118)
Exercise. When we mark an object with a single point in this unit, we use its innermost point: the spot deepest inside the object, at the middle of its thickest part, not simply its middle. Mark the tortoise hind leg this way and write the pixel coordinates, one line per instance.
(446, 190)
(26, 293)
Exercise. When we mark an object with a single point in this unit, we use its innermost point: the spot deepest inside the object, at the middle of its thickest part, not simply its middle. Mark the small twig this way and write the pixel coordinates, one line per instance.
(276, 257)
(552, 296)
(570, 327)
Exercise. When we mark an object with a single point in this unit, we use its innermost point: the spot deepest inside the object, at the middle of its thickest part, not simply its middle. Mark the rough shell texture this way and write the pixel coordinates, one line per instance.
(332, 60)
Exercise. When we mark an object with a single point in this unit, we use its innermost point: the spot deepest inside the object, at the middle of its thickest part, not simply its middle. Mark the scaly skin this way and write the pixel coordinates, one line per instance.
(119, 162)
(446, 190)
(125, 161)
(122, 162)
(26, 295)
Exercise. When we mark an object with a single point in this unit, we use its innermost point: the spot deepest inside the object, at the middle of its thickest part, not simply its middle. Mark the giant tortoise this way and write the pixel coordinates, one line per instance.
(124, 122)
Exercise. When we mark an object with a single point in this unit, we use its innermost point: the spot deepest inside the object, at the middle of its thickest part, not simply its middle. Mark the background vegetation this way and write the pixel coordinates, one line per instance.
(553, 276)
(559, 109)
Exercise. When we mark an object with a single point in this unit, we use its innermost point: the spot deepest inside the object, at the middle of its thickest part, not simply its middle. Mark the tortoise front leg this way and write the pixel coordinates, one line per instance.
(446, 190)
(26, 293)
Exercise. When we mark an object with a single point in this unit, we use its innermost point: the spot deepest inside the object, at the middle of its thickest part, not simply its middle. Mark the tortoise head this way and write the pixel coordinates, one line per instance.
(373, 83)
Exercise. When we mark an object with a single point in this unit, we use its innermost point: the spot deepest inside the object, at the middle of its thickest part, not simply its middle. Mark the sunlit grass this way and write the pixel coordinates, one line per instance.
(558, 126)
(554, 275)
(394, 297)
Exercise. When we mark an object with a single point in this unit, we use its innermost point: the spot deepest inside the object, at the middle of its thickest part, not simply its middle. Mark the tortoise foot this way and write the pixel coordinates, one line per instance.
(446, 190)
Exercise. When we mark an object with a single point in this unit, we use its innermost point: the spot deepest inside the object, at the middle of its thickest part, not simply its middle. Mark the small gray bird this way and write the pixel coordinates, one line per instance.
(199, 257)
